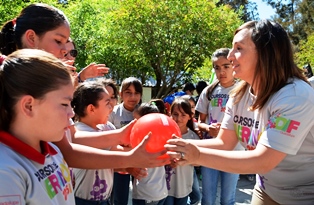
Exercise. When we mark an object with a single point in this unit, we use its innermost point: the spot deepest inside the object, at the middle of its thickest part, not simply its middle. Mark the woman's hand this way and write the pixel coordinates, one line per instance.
(93, 70)
(182, 151)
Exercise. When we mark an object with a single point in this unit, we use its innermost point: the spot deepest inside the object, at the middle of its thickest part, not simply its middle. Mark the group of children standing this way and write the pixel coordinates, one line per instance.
(27, 103)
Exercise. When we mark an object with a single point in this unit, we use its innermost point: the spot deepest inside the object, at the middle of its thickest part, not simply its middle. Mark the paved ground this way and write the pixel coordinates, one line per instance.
(243, 194)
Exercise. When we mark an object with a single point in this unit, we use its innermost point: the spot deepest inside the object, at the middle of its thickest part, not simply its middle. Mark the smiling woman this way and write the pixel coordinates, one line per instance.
(278, 135)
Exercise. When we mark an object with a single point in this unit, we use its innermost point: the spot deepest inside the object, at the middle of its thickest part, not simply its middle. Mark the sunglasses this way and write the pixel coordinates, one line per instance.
(72, 53)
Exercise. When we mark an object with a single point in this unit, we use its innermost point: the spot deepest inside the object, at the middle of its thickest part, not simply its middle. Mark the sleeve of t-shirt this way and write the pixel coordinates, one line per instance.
(289, 122)
(227, 122)
(12, 189)
(202, 103)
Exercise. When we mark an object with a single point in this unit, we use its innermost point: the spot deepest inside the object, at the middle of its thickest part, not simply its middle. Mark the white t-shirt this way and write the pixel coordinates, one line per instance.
(311, 80)
(153, 187)
(30, 177)
(215, 109)
(286, 124)
(180, 179)
(120, 116)
(93, 184)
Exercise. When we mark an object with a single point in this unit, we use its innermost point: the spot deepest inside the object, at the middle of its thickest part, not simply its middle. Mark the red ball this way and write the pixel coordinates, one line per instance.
(162, 128)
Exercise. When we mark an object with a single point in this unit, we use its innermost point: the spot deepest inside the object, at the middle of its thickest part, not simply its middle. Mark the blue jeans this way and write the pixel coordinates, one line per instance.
(210, 184)
(144, 202)
(170, 200)
(195, 195)
(121, 184)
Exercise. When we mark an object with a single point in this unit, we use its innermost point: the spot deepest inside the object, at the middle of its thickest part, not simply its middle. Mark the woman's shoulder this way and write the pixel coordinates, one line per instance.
(296, 91)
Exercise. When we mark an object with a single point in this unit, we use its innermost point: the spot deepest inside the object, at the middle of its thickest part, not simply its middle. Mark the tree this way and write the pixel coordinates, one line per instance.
(296, 16)
(306, 50)
(247, 9)
(168, 40)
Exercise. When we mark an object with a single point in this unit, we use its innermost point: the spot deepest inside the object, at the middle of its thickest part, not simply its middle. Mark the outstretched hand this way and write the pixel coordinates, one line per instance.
(182, 152)
(143, 159)
(93, 70)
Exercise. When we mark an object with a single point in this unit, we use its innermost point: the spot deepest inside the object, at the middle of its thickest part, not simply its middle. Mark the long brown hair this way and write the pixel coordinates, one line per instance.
(275, 64)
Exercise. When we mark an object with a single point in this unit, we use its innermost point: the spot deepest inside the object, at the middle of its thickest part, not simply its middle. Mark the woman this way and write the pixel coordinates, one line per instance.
(270, 113)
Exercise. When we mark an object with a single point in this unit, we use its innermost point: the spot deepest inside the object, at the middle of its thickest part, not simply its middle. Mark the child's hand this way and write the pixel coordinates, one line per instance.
(138, 173)
(126, 132)
(93, 70)
(141, 158)
(213, 129)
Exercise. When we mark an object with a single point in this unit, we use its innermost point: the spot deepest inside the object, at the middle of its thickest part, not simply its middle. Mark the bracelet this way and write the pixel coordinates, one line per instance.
(79, 78)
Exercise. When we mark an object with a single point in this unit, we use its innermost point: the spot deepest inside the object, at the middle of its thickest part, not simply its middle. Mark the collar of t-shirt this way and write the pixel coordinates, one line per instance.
(26, 150)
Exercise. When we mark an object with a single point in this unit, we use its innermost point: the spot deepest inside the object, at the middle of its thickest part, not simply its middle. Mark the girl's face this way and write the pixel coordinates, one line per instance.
(180, 117)
(113, 99)
(52, 125)
(54, 41)
(243, 56)
(223, 71)
(103, 109)
(130, 98)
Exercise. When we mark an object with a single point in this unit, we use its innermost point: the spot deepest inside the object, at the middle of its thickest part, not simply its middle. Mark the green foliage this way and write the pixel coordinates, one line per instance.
(246, 8)
(10, 9)
(296, 16)
(305, 54)
(168, 39)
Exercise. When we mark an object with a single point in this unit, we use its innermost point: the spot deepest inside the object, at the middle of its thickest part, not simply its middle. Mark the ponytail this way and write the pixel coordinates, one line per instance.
(7, 42)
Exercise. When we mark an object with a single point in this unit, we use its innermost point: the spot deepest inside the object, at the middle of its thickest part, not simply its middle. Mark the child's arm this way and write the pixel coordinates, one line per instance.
(84, 157)
(103, 139)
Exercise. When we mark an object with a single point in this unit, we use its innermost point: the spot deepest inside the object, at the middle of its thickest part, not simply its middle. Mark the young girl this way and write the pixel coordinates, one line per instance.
(91, 104)
(211, 106)
(151, 190)
(36, 91)
(131, 91)
(47, 28)
(180, 179)
(195, 195)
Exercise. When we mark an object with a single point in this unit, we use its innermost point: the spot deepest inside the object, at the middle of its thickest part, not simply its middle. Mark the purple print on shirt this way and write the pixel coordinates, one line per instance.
(99, 188)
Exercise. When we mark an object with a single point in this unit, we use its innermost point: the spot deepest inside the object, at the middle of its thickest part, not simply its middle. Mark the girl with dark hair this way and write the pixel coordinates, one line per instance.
(47, 28)
(270, 112)
(131, 92)
(43, 27)
(180, 179)
(91, 104)
(211, 106)
(32, 169)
